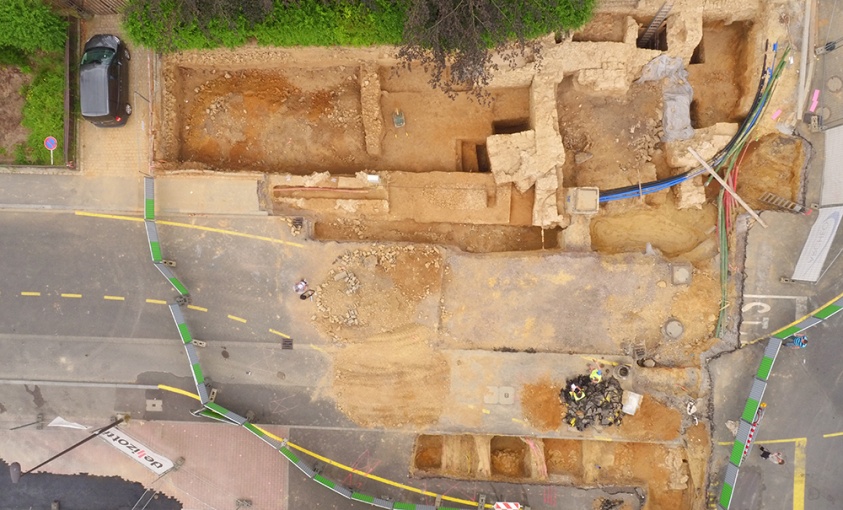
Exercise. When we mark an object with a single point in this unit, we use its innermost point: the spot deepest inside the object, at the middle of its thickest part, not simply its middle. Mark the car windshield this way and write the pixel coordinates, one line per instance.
(99, 55)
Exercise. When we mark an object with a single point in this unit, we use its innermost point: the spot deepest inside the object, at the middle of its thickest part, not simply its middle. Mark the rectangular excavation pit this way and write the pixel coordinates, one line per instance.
(291, 117)
(428, 453)
(564, 458)
(510, 458)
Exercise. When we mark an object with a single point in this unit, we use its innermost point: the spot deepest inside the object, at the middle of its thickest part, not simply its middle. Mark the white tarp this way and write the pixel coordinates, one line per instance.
(151, 460)
(810, 264)
(58, 421)
(832, 188)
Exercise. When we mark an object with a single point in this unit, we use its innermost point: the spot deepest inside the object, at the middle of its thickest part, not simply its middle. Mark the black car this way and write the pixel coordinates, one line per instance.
(104, 81)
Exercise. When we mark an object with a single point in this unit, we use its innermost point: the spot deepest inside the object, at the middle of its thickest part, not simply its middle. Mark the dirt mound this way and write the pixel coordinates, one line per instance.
(392, 380)
(773, 163)
(541, 405)
(378, 290)
(11, 131)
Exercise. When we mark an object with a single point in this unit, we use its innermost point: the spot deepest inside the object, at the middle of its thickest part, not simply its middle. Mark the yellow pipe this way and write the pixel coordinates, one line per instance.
(337, 464)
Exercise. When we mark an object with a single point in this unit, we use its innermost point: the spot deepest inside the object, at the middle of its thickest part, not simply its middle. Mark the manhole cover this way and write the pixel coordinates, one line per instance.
(834, 84)
(673, 329)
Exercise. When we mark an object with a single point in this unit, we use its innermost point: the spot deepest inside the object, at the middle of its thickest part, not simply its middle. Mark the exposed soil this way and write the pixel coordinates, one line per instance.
(12, 133)
(720, 76)
(470, 238)
(509, 457)
(403, 386)
(564, 457)
(428, 455)
(653, 421)
(620, 134)
(771, 164)
(302, 120)
(671, 231)
(541, 405)
(364, 284)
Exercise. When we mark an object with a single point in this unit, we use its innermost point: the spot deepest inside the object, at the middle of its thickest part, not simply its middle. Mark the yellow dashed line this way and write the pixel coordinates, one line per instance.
(195, 227)
(602, 438)
(833, 435)
(236, 318)
(317, 348)
(486, 411)
(516, 420)
(30, 293)
(114, 298)
(197, 308)
(156, 301)
(77, 296)
(278, 333)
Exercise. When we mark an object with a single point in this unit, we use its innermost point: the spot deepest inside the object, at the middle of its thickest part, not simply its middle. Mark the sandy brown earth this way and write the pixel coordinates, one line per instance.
(11, 112)
(402, 386)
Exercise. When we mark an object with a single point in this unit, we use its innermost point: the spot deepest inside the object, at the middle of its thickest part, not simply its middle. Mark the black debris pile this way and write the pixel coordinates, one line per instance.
(610, 504)
(602, 404)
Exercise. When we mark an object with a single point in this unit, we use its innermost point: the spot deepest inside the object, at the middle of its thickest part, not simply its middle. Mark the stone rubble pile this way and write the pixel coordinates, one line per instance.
(601, 407)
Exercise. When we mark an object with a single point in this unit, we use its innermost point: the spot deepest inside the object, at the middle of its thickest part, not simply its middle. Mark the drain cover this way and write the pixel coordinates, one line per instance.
(834, 84)
(673, 329)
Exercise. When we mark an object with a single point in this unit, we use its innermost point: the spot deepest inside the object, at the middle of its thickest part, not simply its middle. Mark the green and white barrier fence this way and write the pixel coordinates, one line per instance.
(219, 413)
(750, 417)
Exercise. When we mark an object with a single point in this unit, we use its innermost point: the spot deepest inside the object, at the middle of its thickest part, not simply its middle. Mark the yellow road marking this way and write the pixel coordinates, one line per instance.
(156, 301)
(238, 319)
(516, 420)
(278, 333)
(195, 227)
(72, 295)
(486, 411)
(339, 465)
(316, 347)
(833, 435)
(179, 391)
(114, 298)
(30, 293)
(799, 474)
(774, 441)
(197, 308)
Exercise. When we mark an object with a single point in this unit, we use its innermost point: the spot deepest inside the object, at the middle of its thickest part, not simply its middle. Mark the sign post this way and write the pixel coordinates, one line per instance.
(50, 143)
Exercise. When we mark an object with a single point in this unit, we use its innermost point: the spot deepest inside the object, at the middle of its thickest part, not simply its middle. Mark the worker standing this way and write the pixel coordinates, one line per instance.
(596, 376)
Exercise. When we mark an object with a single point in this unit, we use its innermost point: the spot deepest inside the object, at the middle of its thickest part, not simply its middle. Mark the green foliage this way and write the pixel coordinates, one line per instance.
(11, 56)
(43, 115)
(452, 39)
(30, 25)
(168, 25)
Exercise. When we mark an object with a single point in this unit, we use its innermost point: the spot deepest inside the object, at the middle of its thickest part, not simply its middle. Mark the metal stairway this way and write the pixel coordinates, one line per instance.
(646, 39)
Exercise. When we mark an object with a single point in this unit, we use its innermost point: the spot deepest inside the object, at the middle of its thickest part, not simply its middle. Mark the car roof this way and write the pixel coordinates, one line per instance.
(103, 41)
(93, 87)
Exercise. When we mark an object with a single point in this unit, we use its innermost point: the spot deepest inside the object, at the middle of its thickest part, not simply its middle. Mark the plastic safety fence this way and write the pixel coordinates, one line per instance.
(749, 418)
(219, 413)
(152, 236)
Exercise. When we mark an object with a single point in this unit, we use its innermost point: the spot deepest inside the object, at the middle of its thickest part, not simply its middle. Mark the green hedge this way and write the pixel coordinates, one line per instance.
(30, 25)
(161, 26)
(43, 115)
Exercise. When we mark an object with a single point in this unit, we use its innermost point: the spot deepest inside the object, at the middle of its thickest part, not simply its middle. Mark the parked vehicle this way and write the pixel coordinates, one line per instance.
(104, 81)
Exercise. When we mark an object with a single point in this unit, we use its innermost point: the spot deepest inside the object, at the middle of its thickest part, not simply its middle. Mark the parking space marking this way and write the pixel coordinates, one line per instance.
(30, 293)
(114, 298)
(836, 434)
(238, 319)
(76, 296)
(799, 474)
(156, 301)
(197, 308)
